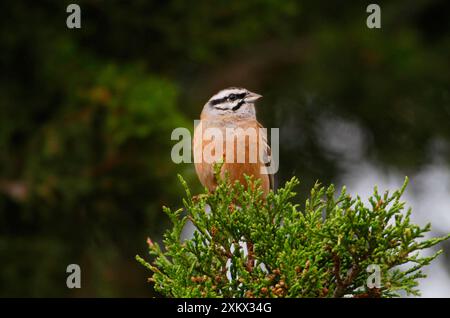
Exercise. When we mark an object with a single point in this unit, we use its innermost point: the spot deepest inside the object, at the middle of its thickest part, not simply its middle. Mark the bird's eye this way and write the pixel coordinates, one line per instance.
(232, 97)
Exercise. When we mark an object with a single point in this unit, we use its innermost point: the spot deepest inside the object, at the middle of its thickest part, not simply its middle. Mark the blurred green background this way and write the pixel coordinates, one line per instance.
(86, 117)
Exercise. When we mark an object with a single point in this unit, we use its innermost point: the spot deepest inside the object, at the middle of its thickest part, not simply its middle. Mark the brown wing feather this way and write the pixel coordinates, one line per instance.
(268, 159)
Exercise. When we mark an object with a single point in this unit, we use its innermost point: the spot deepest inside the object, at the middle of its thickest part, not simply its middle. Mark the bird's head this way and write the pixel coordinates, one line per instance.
(233, 101)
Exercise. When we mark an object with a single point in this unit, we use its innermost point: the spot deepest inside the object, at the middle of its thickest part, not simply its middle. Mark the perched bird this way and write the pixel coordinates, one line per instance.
(232, 113)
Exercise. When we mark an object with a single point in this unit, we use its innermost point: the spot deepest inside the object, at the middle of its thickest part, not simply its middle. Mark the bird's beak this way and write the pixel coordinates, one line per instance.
(252, 97)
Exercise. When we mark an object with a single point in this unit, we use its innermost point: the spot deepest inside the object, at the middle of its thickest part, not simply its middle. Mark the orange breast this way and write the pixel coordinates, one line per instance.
(239, 151)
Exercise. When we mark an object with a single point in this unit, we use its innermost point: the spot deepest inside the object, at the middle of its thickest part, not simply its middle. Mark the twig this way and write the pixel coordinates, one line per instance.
(341, 285)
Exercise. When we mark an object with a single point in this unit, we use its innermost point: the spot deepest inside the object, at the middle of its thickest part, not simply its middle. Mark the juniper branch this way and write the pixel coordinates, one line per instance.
(320, 250)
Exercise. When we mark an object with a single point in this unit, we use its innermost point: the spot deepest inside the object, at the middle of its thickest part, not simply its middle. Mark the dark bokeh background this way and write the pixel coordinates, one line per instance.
(86, 117)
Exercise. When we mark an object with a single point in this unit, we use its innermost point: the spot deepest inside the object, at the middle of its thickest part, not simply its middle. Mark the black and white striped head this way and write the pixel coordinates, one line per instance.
(232, 101)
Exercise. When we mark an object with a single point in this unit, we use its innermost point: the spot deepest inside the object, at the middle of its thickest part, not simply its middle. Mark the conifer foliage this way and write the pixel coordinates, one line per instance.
(330, 246)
